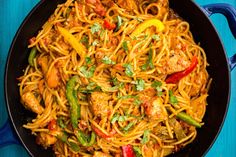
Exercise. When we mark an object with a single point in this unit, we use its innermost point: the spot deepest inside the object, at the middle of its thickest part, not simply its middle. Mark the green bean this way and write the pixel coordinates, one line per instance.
(188, 119)
(84, 140)
(71, 95)
(32, 56)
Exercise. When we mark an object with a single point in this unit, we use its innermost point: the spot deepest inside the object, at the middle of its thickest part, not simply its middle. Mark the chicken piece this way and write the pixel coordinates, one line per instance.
(99, 103)
(155, 109)
(147, 94)
(99, 8)
(32, 103)
(100, 154)
(129, 5)
(45, 139)
(43, 62)
(176, 63)
(41, 86)
(198, 106)
(53, 78)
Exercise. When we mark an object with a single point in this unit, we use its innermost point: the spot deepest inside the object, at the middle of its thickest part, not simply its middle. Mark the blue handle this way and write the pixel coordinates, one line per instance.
(7, 136)
(227, 10)
(230, 13)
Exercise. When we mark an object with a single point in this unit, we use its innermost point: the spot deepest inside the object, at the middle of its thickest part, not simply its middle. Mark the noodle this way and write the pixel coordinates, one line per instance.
(114, 74)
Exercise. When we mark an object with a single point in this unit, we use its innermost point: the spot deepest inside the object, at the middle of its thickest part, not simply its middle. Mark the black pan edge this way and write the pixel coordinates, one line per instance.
(10, 54)
(6, 75)
(229, 83)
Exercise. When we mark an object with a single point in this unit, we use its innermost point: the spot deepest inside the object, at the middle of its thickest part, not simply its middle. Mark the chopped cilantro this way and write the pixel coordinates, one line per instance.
(122, 118)
(173, 100)
(149, 63)
(88, 72)
(125, 46)
(128, 69)
(145, 138)
(126, 97)
(88, 60)
(61, 122)
(137, 151)
(91, 87)
(95, 28)
(75, 147)
(114, 118)
(157, 85)
(140, 84)
(156, 37)
(63, 137)
(102, 33)
(127, 127)
(107, 60)
(139, 19)
(95, 42)
(137, 101)
(85, 40)
(119, 23)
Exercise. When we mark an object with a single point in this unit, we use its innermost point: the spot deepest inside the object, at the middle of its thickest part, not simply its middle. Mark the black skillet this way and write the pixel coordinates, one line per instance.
(203, 32)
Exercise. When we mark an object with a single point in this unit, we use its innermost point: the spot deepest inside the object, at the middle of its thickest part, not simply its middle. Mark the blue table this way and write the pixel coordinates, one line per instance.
(14, 11)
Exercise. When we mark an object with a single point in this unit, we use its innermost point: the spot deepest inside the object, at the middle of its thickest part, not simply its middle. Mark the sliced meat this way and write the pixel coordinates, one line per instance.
(99, 103)
(32, 103)
(155, 109)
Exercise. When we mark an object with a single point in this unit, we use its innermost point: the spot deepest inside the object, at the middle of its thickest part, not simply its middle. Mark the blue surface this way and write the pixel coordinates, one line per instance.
(14, 11)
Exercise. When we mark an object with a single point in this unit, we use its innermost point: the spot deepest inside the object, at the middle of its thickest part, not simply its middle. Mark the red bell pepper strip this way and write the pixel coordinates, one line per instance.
(108, 25)
(174, 78)
(101, 134)
(128, 151)
(52, 125)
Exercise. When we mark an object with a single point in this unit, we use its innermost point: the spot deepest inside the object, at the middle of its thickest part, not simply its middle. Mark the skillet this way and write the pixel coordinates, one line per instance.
(203, 31)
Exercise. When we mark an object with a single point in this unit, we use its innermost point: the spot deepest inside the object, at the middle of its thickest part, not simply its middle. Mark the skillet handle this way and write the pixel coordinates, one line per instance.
(227, 10)
(230, 13)
(7, 136)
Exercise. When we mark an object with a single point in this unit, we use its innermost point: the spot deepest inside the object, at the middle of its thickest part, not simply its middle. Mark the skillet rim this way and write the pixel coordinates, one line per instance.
(10, 52)
(228, 71)
(26, 19)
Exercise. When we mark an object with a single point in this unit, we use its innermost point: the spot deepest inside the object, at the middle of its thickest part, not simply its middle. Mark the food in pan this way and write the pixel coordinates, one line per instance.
(115, 78)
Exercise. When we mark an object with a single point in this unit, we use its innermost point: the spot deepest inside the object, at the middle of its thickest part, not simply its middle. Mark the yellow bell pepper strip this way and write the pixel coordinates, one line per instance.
(79, 48)
(148, 23)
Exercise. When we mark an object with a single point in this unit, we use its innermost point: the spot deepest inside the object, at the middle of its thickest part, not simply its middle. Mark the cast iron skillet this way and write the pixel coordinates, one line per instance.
(203, 32)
